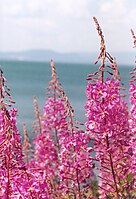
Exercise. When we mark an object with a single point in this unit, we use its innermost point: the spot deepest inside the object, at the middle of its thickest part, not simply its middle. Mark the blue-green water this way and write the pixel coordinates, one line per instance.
(29, 79)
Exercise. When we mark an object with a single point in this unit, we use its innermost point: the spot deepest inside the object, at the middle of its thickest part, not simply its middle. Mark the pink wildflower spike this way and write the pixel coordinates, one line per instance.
(134, 37)
(5, 97)
(37, 118)
(27, 147)
(11, 154)
(108, 124)
(75, 168)
(61, 144)
(16, 180)
(10, 145)
(46, 143)
(111, 68)
(132, 119)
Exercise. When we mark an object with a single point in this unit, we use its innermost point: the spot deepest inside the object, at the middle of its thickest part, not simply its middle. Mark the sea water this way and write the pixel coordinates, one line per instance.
(29, 79)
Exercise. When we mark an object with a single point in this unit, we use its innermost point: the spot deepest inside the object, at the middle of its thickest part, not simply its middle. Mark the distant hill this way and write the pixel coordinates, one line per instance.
(46, 55)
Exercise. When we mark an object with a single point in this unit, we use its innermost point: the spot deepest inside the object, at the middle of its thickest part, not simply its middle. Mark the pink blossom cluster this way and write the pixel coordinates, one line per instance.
(75, 170)
(108, 124)
(14, 182)
(112, 127)
(132, 124)
(61, 148)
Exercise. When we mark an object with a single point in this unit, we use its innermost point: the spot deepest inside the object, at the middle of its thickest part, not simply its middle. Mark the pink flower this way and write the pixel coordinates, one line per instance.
(132, 126)
(108, 124)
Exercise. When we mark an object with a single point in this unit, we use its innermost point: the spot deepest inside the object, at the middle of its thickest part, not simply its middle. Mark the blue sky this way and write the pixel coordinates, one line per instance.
(66, 25)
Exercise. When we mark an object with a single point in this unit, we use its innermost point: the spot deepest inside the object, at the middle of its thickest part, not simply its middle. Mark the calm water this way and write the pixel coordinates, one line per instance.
(29, 79)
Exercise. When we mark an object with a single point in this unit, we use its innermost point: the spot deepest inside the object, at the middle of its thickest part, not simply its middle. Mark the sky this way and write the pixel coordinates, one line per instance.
(66, 25)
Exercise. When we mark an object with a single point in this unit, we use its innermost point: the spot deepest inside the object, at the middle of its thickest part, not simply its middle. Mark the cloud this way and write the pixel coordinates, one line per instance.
(65, 25)
(114, 7)
(116, 18)
(74, 9)
(116, 12)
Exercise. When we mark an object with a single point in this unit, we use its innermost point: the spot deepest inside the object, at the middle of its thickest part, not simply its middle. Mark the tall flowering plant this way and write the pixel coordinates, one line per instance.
(16, 180)
(46, 143)
(11, 159)
(108, 124)
(132, 121)
(61, 148)
(76, 165)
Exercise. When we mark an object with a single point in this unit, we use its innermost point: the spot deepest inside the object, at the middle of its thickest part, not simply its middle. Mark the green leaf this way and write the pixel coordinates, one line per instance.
(130, 177)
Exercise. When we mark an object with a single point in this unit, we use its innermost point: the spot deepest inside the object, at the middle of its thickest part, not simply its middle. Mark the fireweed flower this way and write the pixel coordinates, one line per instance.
(45, 162)
(108, 125)
(132, 124)
(61, 149)
(27, 147)
(14, 182)
(132, 120)
(10, 153)
(75, 170)
(76, 166)
(10, 144)
(46, 143)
